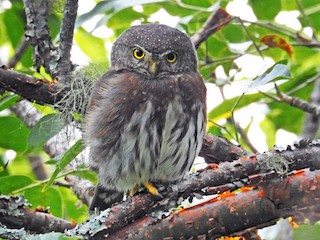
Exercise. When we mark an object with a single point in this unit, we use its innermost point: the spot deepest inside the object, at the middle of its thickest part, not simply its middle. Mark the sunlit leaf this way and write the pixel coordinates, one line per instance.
(8, 101)
(266, 9)
(92, 46)
(86, 174)
(3, 167)
(48, 199)
(65, 160)
(12, 20)
(72, 206)
(224, 109)
(267, 126)
(111, 5)
(13, 183)
(13, 134)
(276, 72)
(273, 40)
(47, 127)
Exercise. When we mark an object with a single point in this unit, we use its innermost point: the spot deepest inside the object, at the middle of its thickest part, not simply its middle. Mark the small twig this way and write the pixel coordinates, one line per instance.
(18, 53)
(304, 84)
(214, 23)
(181, 4)
(84, 189)
(38, 168)
(275, 27)
(246, 139)
(27, 113)
(64, 65)
(251, 38)
(307, 19)
(298, 103)
(311, 123)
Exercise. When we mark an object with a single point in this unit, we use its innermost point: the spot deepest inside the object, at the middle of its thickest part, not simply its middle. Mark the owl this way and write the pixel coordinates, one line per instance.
(146, 116)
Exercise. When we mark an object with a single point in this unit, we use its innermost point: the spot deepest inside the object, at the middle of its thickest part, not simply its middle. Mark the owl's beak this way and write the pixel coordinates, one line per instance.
(153, 66)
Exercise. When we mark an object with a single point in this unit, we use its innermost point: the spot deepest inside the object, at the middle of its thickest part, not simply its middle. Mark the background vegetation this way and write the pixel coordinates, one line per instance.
(229, 60)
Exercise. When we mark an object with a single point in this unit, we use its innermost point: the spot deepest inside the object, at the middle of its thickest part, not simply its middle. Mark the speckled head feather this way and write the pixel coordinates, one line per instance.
(156, 40)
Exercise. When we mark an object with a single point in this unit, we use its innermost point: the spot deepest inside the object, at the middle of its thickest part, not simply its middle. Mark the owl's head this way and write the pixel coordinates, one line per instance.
(154, 50)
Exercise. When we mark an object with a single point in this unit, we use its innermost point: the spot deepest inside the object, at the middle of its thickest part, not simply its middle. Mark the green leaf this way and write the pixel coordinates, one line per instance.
(14, 20)
(13, 183)
(65, 160)
(266, 9)
(234, 33)
(111, 6)
(276, 72)
(50, 198)
(72, 206)
(307, 231)
(224, 109)
(3, 167)
(13, 134)
(267, 126)
(8, 101)
(47, 127)
(92, 46)
(86, 174)
(116, 20)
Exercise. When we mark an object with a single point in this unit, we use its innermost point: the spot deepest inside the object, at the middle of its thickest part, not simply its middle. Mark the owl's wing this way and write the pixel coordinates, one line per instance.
(96, 93)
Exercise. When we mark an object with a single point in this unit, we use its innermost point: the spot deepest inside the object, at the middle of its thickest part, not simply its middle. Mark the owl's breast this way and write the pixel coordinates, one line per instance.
(148, 131)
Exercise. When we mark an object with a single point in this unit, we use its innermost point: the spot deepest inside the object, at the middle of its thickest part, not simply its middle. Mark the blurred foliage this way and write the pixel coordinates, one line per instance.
(219, 53)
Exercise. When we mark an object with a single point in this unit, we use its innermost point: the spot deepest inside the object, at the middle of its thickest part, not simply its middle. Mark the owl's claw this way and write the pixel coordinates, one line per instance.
(151, 189)
(133, 190)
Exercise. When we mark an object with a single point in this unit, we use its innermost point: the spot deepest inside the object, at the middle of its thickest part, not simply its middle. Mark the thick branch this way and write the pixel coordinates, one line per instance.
(224, 216)
(229, 176)
(14, 214)
(30, 88)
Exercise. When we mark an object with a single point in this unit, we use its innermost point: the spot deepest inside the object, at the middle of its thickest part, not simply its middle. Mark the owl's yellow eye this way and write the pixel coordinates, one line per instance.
(171, 57)
(138, 53)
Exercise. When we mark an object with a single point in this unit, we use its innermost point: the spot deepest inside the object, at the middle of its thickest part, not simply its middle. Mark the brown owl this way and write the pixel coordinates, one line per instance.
(146, 116)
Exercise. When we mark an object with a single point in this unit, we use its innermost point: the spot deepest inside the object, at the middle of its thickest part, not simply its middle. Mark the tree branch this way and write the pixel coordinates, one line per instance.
(30, 88)
(18, 53)
(313, 107)
(229, 214)
(311, 123)
(282, 193)
(14, 214)
(37, 32)
(214, 23)
(229, 176)
(64, 65)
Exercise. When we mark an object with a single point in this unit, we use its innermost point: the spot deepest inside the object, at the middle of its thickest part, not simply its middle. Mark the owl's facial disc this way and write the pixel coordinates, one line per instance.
(149, 61)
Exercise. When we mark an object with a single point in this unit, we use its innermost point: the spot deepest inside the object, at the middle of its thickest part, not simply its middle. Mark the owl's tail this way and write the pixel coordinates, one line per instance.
(104, 198)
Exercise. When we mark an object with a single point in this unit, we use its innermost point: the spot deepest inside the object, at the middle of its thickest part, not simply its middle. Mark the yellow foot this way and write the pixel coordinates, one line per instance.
(152, 189)
(134, 190)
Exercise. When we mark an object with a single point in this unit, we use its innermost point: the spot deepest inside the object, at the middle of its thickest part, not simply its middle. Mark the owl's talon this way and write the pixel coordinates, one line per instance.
(133, 190)
(151, 189)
